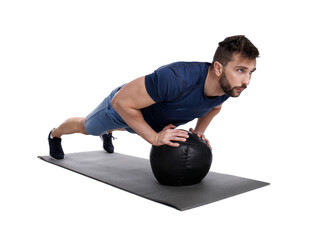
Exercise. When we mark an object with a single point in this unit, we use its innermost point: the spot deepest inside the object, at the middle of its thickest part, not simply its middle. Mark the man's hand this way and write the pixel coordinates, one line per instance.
(168, 134)
(202, 136)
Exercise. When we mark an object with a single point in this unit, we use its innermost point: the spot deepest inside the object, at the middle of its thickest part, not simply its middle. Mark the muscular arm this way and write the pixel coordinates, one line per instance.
(128, 103)
(203, 122)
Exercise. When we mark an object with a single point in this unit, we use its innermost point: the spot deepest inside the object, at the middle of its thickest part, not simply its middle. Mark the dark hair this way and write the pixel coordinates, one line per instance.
(235, 44)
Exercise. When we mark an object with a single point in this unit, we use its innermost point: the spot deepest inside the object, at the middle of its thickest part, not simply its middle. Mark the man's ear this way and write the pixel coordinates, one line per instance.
(218, 68)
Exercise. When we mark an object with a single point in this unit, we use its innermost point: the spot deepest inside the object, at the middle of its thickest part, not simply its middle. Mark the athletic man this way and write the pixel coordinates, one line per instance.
(154, 105)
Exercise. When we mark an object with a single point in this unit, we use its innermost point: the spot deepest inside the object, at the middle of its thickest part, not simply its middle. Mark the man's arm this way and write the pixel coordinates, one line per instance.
(127, 103)
(203, 123)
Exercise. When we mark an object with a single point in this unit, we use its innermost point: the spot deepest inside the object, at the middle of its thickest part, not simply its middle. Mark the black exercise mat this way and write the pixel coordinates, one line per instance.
(134, 175)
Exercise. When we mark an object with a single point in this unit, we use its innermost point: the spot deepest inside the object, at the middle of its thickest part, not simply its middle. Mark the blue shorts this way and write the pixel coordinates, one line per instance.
(105, 118)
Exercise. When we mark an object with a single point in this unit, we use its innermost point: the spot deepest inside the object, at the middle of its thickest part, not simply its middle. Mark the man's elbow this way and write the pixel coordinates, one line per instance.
(218, 108)
(117, 103)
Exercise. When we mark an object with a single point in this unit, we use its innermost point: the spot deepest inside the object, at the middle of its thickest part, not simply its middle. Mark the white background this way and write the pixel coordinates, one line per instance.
(61, 58)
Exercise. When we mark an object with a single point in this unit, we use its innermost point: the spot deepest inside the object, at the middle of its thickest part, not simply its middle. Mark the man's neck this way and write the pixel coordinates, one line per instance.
(212, 87)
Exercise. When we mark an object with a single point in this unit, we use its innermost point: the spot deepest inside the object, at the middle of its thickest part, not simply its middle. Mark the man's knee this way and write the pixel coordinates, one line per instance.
(82, 125)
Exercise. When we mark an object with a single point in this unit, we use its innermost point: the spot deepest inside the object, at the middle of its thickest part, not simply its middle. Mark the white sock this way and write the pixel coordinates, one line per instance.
(51, 134)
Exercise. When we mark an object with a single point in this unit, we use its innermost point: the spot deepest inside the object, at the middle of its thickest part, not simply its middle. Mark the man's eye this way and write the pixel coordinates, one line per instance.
(240, 70)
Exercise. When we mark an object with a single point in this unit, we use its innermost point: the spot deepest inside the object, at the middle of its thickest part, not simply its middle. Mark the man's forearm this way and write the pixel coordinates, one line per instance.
(203, 122)
(135, 120)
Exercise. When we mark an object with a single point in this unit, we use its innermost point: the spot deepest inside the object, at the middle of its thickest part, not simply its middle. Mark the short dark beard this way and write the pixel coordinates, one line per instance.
(226, 87)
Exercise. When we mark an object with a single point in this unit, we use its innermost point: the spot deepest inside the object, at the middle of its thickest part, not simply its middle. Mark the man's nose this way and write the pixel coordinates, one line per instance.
(246, 80)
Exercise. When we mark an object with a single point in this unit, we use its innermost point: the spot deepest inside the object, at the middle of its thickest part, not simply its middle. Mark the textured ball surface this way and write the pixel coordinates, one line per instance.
(184, 165)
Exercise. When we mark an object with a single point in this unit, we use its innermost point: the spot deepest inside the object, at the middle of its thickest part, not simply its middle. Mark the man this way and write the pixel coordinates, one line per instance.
(154, 105)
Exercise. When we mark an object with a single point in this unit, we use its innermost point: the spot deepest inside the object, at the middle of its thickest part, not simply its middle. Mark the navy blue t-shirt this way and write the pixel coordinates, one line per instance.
(178, 90)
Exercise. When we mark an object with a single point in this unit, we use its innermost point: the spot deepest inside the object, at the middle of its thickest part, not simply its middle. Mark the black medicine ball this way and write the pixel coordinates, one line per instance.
(186, 164)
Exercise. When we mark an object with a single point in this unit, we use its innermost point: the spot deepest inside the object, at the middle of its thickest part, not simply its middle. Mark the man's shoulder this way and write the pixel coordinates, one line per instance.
(188, 69)
(183, 64)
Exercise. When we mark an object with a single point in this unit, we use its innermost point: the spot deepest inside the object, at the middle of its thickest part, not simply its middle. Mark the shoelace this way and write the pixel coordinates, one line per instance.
(108, 139)
(109, 136)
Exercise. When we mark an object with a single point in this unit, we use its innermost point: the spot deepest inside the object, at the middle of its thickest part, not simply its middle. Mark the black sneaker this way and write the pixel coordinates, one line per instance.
(55, 147)
(107, 142)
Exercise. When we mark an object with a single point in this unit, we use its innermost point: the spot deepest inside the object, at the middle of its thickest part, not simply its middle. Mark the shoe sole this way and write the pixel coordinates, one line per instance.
(57, 159)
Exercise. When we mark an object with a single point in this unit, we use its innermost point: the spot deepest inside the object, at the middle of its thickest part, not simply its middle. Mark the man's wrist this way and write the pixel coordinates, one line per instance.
(154, 139)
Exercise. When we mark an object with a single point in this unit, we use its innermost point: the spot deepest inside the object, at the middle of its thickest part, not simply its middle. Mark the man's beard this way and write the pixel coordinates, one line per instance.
(226, 87)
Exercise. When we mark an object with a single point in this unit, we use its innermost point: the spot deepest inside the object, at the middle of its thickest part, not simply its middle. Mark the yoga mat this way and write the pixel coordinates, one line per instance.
(134, 175)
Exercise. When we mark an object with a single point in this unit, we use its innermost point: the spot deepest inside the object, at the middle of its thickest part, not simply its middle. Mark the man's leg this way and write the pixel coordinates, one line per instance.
(72, 125)
(98, 122)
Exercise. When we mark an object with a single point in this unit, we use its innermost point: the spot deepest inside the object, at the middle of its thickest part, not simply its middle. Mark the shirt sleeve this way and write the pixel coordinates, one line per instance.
(163, 84)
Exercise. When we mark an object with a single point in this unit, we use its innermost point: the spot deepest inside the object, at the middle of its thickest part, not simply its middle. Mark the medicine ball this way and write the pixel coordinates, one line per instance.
(186, 164)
